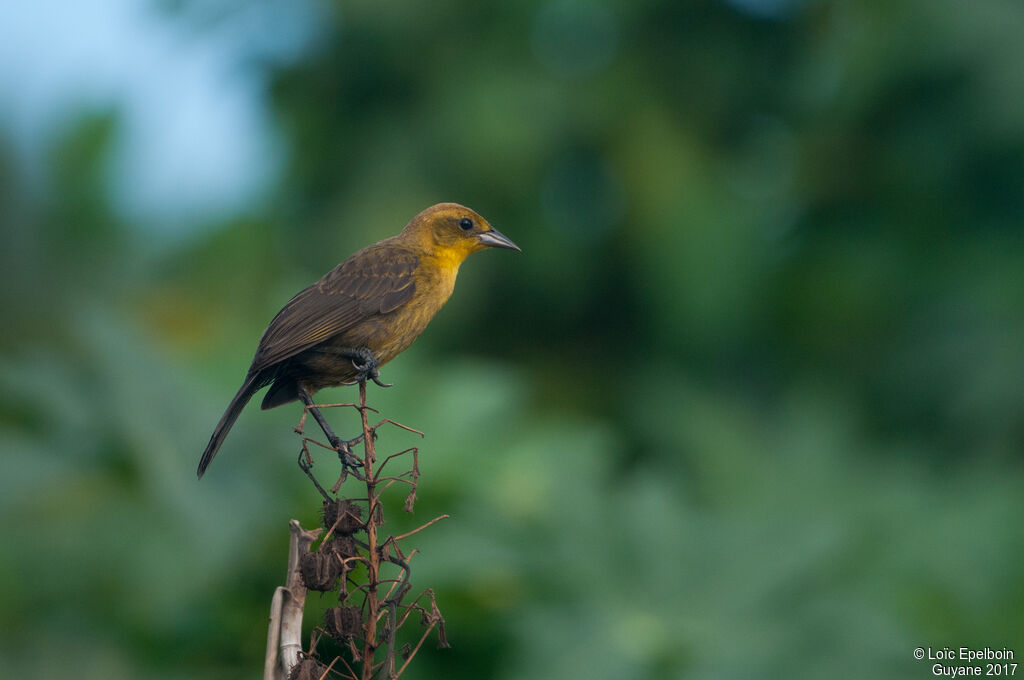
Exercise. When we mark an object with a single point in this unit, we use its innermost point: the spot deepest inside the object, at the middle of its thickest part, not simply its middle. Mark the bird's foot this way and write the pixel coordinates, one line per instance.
(344, 449)
(366, 364)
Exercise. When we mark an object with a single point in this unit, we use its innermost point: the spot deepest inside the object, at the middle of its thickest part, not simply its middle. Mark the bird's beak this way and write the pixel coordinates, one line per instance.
(495, 239)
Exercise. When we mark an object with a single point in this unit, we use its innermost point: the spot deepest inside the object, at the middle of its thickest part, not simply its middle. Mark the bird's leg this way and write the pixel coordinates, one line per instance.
(363, 361)
(344, 448)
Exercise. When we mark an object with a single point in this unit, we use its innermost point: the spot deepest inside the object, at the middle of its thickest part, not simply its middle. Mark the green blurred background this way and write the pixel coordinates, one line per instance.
(749, 404)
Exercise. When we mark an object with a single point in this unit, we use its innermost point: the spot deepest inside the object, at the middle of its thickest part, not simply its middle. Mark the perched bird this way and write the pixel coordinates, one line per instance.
(362, 313)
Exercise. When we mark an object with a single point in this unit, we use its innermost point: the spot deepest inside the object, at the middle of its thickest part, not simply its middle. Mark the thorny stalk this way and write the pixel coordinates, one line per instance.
(371, 643)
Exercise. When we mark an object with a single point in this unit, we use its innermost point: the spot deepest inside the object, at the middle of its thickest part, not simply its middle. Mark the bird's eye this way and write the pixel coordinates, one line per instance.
(466, 223)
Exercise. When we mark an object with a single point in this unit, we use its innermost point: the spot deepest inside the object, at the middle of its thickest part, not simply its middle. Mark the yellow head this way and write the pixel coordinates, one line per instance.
(452, 232)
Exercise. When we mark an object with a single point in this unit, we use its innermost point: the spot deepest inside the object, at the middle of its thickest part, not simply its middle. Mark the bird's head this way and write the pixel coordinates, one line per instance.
(454, 232)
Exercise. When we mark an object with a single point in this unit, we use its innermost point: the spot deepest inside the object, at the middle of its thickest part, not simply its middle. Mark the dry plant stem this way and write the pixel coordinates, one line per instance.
(373, 554)
(373, 652)
(396, 424)
(329, 667)
(419, 528)
(396, 581)
(285, 634)
(270, 666)
(306, 465)
(416, 649)
(435, 617)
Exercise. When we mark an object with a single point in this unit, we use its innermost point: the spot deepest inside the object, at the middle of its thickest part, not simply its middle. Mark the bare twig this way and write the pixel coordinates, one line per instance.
(396, 424)
(419, 528)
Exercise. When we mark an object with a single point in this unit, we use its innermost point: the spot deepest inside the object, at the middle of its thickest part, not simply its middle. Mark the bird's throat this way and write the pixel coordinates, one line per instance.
(448, 261)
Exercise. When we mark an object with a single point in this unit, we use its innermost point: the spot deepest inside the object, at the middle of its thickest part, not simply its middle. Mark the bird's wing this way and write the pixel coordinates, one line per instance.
(376, 280)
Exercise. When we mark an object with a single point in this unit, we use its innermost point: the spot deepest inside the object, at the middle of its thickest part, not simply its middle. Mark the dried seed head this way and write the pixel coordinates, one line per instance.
(347, 515)
(343, 546)
(343, 622)
(319, 570)
(307, 669)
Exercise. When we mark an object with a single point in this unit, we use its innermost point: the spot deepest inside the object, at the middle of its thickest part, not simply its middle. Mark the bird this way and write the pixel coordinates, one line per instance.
(361, 314)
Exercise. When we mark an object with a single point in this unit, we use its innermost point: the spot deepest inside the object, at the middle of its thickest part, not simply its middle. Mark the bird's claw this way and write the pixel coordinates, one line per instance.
(366, 364)
(344, 449)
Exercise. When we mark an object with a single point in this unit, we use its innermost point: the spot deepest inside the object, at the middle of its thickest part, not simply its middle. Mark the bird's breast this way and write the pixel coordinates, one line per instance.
(390, 334)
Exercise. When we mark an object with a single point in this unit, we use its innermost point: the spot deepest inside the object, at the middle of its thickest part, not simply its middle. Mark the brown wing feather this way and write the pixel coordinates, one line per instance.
(376, 280)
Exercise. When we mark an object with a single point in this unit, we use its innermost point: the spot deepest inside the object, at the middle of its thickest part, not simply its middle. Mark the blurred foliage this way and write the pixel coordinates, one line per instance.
(750, 403)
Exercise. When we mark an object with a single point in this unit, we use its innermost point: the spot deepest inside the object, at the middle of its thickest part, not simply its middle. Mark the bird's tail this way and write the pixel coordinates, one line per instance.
(251, 385)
